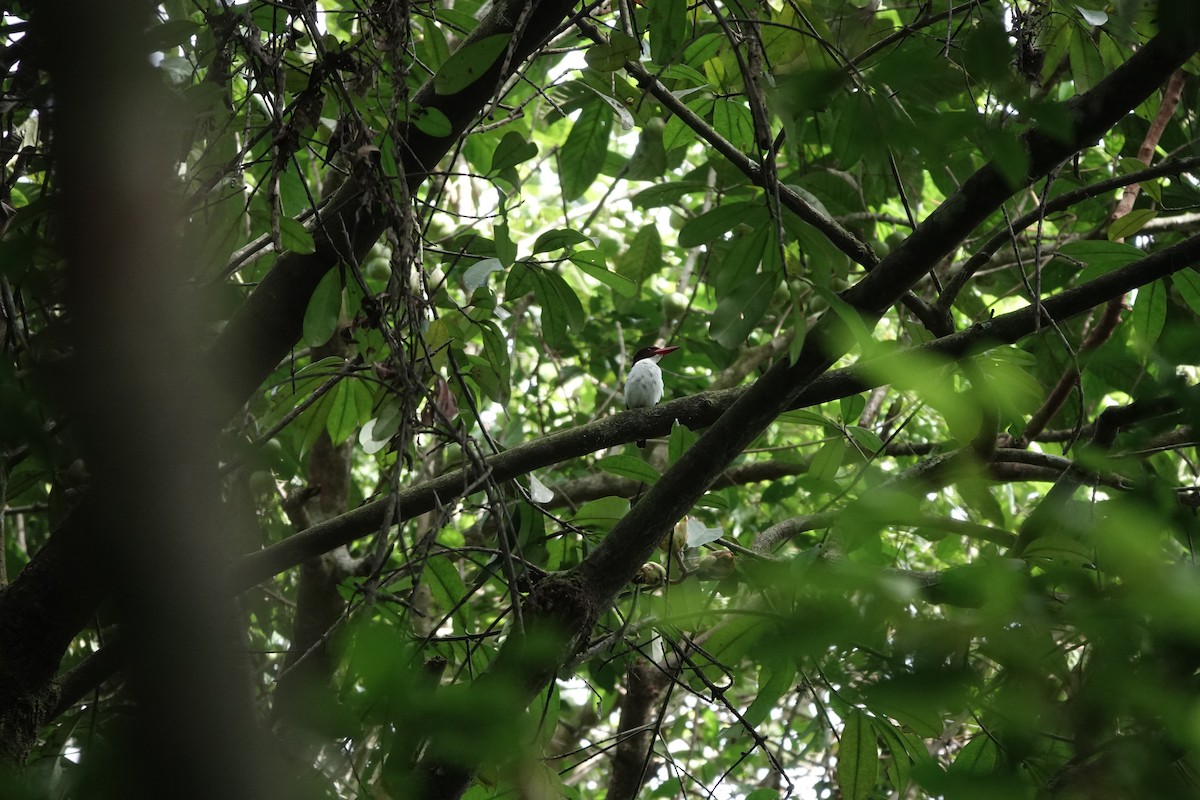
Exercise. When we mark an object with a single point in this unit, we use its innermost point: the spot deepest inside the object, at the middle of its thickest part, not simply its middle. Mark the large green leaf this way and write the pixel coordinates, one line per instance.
(733, 121)
(717, 222)
(295, 237)
(747, 292)
(495, 349)
(349, 406)
(467, 64)
(593, 263)
(1099, 257)
(1086, 67)
(560, 307)
(1187, 283)
(629, 467)
(978, 756)
(321, 316)
(585, 149)
(512, 150)
(449, 590)
(668, 21)
(858, 757)
(644, 256)
(1150, 311)
(611, 55)
(557, 240)
(1131, 223)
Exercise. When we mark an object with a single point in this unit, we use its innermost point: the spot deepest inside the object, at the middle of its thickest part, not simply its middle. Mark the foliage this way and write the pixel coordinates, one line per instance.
(414, 247)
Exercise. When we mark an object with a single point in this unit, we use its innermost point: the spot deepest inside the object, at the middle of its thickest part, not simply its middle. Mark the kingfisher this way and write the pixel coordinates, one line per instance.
(644, 384)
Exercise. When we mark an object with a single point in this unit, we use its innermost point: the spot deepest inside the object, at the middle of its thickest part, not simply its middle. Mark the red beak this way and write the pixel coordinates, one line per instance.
(662, 351)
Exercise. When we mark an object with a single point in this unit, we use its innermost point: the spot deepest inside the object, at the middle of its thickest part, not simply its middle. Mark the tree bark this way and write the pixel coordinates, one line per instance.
(51, 600)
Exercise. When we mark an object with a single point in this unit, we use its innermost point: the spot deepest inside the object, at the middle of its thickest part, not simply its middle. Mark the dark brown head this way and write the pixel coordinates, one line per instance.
(651, 352)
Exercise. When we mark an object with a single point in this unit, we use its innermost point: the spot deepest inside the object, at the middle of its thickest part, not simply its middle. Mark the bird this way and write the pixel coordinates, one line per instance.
(644, 384)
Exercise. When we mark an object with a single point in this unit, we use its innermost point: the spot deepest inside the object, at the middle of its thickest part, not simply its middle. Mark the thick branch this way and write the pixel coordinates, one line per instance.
(609, 567)
(698, 411)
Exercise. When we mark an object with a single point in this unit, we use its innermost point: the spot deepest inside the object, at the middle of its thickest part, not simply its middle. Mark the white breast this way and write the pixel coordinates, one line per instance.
(644, 386)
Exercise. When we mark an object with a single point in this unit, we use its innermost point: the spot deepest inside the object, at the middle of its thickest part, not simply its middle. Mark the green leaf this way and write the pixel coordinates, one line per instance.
(702, 48)
(285, 397)
(649, 159)
(601, 514)
(804, 417)
(666, 194)
(506, 250)
(761, 794)
(734, 122)
(432, 121)
(558, 239)
(610, 56)
(311, 424)
(828, 460)
(469, 62)
(629, 467)
(851, 407)
(737, 315)
(1058, 41)
(1099, 257)
(906, 750)
(799, 332)
(1187, 283)
(729, 642)
(476, 275)
(681, 439)
(1150, 311)
(584, 151)
(678, 133)
(624, 115)
(1060, 549)
(978, 757)
(592, 262)
(449, 591)
(434, 49)
(295, 237)
(520, 281)
(1152, 186)
(350, 404)
(495, 349)
(1131, 223)
(866, 439)
(512, 150)
(1086, 67)
(849, 315)
(858, 757)
(668, 29)
(716, 222)
(774, 681)
(171, 34)
(560, 307)
(644, 256)
(485, 376)
(437, 337)
(321, 316)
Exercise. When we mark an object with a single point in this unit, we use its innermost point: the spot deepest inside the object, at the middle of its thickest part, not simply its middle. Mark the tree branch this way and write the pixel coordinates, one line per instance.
(698, 411)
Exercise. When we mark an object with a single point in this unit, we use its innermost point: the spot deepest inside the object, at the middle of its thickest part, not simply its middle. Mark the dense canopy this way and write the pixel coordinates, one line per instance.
(315, 470)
